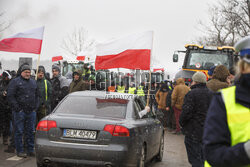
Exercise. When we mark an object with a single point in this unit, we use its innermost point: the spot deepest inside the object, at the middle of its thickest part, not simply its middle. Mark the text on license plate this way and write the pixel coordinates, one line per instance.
(83, 134)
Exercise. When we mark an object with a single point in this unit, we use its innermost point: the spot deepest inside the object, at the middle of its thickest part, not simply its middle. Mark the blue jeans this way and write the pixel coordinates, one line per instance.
(194, 152)
(24, 125)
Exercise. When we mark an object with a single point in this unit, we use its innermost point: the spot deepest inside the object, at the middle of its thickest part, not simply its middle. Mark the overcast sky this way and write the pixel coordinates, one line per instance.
(174, 22)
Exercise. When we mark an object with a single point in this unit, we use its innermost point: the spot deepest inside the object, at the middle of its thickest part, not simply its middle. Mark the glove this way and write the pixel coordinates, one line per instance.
(147, 108)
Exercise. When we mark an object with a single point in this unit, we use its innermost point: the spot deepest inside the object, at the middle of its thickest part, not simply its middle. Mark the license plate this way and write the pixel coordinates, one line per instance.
(82, 134)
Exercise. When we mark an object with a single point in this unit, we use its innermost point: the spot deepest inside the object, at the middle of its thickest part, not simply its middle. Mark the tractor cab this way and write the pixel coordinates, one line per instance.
(201, 58)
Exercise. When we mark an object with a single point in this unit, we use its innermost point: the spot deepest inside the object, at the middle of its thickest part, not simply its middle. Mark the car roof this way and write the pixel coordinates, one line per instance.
(103, 94)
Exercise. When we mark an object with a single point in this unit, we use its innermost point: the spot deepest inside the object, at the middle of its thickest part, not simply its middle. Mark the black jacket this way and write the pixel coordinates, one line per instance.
(168, 100)
(4, 106)
(194, 110)
(58, 92)
(217, 138)
(23, 94)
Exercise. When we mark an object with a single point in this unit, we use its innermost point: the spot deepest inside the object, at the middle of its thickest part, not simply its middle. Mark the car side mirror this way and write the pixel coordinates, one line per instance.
(175, 57)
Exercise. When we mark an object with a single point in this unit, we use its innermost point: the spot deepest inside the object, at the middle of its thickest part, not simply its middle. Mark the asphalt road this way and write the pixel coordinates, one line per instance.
(174, 155)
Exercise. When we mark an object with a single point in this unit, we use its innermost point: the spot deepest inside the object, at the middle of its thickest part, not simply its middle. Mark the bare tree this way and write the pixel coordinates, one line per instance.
(4, 24)
(229, 21)
(77, 41)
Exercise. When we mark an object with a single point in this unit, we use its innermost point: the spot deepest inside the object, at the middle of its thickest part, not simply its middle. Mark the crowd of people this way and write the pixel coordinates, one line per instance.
(24, 101)
(212, 113)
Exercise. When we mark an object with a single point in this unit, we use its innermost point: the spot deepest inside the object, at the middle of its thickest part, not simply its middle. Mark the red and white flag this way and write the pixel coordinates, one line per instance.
(26, 42)
(131, 52)
(57, 58)
(158, 69)
(81, 56)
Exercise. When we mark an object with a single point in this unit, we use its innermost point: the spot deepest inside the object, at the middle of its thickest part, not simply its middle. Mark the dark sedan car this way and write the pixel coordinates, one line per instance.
(99, 129)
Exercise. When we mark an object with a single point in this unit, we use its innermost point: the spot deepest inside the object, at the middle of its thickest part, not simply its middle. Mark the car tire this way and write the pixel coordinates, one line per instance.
(41, 165)
(142, 157)
(159, 156)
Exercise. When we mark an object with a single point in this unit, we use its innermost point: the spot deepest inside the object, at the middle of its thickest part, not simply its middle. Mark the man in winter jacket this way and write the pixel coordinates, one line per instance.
(171, 118)
(23, 96)
(177, 99)
(5, 112)
(192, 118)
(45, 90)
(220, 79)
(60, 86)
(161, 97)
(77, 84)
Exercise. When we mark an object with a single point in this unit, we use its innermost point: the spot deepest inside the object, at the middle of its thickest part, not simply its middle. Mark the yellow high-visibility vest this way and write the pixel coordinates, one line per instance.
(46, 90)
(238, 117)
(131, 90)
(86, 71)
(121, 89)
(140, 91)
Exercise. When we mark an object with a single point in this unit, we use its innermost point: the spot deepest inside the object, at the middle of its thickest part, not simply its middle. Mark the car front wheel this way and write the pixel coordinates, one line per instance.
(142, 157)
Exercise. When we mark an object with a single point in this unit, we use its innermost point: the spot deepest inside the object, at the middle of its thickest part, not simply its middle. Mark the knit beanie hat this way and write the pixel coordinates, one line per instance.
(41, 69)
(199, 77)
(7, 74)
(56, 67)
(25, 67)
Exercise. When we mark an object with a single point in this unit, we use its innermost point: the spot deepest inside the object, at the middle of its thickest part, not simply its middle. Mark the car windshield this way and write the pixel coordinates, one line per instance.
(203, 61)
(93, 106)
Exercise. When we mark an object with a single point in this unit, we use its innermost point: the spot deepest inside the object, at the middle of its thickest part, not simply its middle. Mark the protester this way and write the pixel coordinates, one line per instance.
(112, 87)
(121, 88)
(161, 97)
(141, 90)
(91, 82)
(171, 118)
(152, 101)
(77, 84)
(210, 72)
(132, 88)
(192, 118)
(60, 86)
(227, 128)
(13, 73)
(219, 79)
(177, 99)
(45, 90)
(23, 96)
(86, 71)
(5, 112)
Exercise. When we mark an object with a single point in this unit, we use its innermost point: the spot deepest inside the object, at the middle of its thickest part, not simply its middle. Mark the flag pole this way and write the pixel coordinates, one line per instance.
(149, 88)
(37, 65)
(148, 97)
(38, 60)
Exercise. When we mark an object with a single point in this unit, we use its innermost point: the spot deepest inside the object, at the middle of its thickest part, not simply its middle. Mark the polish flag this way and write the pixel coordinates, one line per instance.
(57, 58)
(26, 42)
(158, 69)
(81, 56)
(131, 52)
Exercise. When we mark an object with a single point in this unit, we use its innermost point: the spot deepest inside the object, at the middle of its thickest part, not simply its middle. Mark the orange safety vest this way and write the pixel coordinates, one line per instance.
(111, 89)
